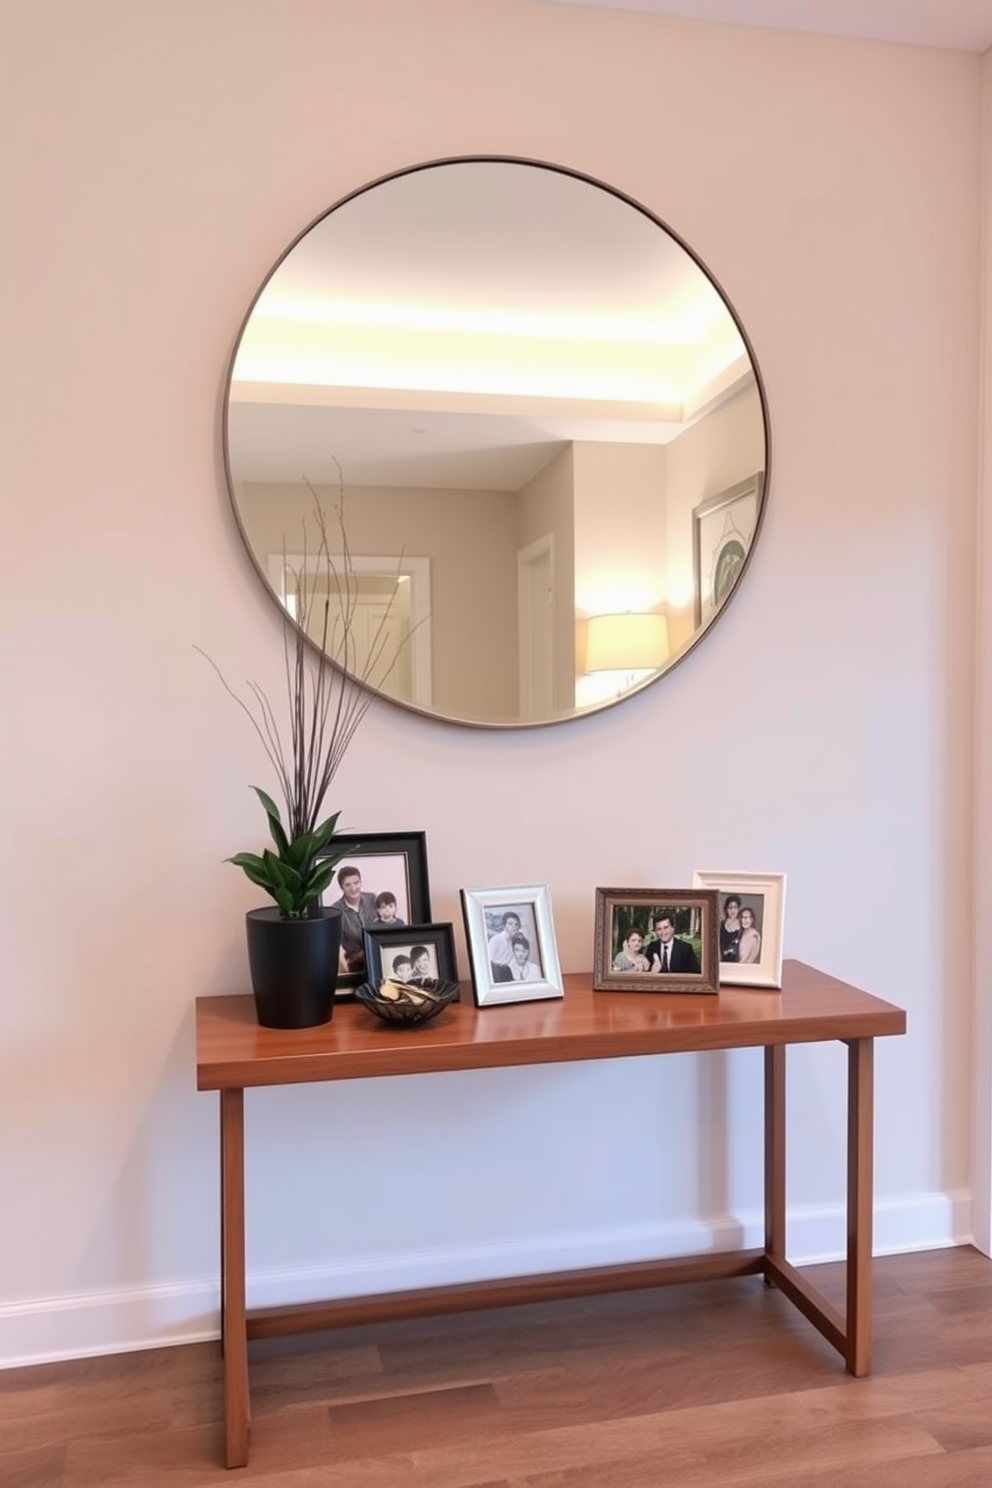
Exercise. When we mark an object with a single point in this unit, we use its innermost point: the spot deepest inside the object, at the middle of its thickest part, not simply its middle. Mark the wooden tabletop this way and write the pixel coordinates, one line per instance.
(233, 1052)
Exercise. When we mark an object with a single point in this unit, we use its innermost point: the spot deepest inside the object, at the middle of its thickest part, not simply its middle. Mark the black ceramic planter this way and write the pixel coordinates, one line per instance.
(294, 967)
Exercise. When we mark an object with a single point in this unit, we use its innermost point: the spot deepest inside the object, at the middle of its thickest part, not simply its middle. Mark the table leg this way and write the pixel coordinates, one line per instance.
(233, 1328)
(860, 1115)
(223, 1230)
(775, 1150)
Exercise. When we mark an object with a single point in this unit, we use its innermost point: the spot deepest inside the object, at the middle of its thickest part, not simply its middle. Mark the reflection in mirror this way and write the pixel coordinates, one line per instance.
(543, 420)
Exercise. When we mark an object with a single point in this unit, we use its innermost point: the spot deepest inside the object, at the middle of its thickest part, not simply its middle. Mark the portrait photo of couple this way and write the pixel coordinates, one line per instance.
(655, 946)
(655, 940)
(740, 929)
(751, 914)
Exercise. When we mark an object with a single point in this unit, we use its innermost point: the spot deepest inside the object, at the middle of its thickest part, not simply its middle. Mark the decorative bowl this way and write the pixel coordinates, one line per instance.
(407, 1003)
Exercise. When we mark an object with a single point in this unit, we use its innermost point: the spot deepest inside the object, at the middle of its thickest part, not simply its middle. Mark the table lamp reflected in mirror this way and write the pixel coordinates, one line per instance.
(630, 646)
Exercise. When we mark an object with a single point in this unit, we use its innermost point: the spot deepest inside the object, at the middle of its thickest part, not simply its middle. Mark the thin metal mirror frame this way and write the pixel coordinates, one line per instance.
(564, 170)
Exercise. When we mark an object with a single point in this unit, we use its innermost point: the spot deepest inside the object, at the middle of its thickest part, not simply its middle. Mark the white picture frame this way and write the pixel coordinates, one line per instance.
(762, 897)
(489, 915)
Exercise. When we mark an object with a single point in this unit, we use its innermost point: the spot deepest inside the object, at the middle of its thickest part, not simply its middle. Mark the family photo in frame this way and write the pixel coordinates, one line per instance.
(380, 883)
(413, 953)
(751, 909)
(511, 944)
(656, 940)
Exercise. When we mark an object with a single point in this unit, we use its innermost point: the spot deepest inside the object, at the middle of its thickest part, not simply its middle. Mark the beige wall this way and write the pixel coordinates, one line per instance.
(722, 449)
(619, 565)
(547, 507)
(469, 538)
(646, 562)
(157, 159)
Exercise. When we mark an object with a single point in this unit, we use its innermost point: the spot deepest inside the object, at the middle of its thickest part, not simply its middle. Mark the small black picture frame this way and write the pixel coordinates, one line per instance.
(388, 865)
(427, 950)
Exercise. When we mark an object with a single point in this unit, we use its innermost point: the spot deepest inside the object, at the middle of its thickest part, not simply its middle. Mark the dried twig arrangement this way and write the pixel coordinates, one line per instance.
(328, 694)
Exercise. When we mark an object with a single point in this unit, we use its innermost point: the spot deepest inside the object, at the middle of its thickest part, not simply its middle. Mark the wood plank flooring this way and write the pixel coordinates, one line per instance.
(718, 1383)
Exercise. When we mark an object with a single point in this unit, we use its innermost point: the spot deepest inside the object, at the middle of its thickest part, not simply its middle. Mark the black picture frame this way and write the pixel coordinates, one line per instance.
(694, 917)
(382, 945)
(388, 862)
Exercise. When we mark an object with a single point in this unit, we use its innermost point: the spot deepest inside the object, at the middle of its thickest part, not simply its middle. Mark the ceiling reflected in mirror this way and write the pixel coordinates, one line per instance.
(542, 415)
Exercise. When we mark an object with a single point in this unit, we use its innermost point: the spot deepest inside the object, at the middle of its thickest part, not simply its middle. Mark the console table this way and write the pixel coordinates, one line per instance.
(234, 1054)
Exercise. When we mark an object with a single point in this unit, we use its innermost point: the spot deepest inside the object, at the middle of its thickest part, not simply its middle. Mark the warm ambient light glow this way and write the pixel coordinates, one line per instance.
(574, 382)
(549, 357)
(684, 329)
(626, 643)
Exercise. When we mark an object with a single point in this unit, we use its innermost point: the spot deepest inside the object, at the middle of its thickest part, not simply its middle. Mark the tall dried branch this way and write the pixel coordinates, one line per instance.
(328, 692)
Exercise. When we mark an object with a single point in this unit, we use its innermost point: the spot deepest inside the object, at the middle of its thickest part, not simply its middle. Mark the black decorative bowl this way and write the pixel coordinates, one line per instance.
(408, 1003)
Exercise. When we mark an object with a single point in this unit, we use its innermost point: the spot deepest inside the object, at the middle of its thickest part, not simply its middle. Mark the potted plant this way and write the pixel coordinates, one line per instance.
(294, 944)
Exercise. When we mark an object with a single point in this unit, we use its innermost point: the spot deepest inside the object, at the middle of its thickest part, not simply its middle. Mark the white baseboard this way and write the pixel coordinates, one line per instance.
(114, 1321)
(119, 1320)
(917, 1222)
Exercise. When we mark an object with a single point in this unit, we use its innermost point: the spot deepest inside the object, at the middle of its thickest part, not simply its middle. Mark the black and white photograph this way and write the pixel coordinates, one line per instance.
(380, 883)
(751, 908)
(511, 944)
(655, 940)
(414, 953)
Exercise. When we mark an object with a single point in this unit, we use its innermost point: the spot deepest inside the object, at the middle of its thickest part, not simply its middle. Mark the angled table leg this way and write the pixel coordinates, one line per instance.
(233, 1327)
(860, 1118)
(849, 1334)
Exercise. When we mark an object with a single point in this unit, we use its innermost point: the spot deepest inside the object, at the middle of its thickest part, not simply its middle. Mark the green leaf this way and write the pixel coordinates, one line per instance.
(259, 872)
(287, 874)
(271, 809)
(330, 860)
(288, 887)
(299, 852)
(285, 901)
(321, 878)
(253, 867)
(275, 820)
(325, 831)
(275, 867)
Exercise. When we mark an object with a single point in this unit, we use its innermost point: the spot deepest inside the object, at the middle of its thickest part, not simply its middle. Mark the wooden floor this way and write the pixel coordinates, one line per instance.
(722, 1383)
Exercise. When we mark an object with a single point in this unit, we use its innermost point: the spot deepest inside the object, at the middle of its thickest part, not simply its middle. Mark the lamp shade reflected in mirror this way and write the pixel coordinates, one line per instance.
(540, 417)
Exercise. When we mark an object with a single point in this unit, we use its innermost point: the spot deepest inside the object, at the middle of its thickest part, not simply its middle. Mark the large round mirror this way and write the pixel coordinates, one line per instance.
(543, 418)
